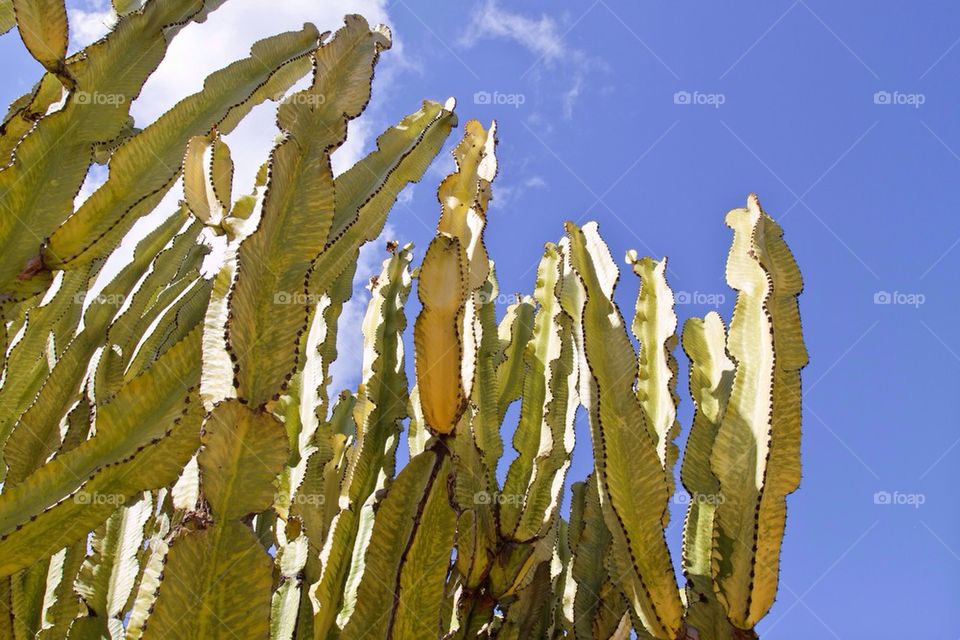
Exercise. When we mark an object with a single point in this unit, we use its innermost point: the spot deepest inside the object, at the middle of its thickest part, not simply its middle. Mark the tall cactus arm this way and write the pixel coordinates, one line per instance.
(655, 326)
(109, 573)
(403, 154)
(485, 423)
(551, 463)
(455, 267)
(222, 572)
(376, 175)
(320, 352)
(465, 194)
(145, 167)
(711, 375)
(633, 490)
(544, 436)
(756, 455)
(438, 334)
(106, 70)
(297, 214)
(383, 386)
(532, 434)
(314, 505)
(380, 407)
(149, 408)
(364, 195)
(401, 593)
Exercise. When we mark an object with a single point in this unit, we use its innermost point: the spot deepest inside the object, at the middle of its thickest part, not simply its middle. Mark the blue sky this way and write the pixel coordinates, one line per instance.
(655, 118)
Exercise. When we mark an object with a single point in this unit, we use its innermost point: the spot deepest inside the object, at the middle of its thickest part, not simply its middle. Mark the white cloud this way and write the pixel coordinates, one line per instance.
(89, 21)
(405, 197)
(535, 182)
(570, 97)
(505, 194)
(543, 37)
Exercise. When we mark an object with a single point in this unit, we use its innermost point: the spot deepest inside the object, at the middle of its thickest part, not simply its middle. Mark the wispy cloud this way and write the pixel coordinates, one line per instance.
(505, 194)
(543, 36)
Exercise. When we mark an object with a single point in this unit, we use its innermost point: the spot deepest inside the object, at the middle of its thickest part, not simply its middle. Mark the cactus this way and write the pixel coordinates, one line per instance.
(173, 462)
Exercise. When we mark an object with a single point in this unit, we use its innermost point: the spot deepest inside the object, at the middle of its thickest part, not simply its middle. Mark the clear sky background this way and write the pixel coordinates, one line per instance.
(655, 118)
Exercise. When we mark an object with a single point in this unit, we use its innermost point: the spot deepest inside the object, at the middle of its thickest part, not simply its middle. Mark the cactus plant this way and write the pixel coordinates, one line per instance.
(175, 466)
